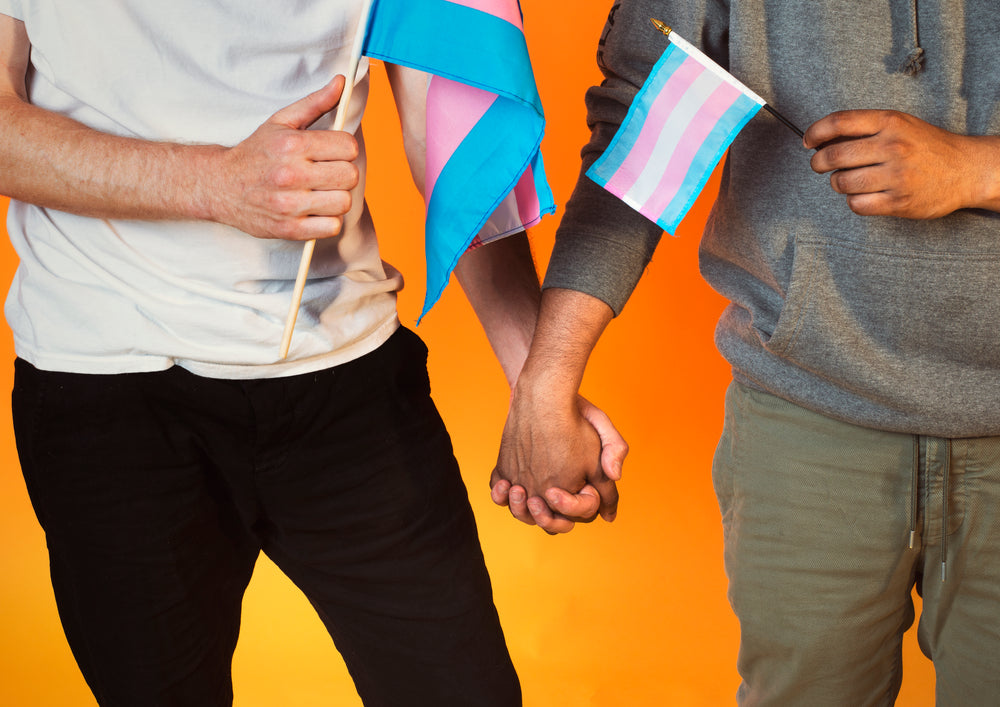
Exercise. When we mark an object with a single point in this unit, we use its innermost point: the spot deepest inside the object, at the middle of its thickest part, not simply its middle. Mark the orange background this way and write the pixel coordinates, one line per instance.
(628, 614)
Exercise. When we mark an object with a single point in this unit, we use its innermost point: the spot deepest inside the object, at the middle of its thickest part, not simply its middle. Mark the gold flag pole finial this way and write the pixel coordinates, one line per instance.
(666, 29)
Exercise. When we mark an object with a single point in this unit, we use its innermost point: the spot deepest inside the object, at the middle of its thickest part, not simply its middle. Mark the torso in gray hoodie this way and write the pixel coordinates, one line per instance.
(884, 322)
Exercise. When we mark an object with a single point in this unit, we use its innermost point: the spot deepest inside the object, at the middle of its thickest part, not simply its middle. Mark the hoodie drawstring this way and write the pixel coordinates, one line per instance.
(914, 62)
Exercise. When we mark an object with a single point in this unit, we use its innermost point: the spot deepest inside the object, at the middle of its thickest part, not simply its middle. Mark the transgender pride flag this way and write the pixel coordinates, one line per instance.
(484, 178)
(677, 129)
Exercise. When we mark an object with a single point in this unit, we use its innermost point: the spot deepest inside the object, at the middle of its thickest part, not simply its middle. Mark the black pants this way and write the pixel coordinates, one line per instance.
(158, 490)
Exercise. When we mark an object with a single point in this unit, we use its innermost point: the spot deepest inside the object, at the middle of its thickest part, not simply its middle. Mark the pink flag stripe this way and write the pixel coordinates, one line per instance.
(509, 11)
(690, 142)
(672, 127)
(669, 97)
(453, 109)
(528, 206)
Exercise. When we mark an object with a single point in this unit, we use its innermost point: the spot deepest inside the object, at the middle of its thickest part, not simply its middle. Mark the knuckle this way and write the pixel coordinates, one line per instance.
(818, 162)
(837, 119)
(860, 206)
(286, 230)
(350, 146)
(838, 152)
(282, 204)
(289, 142)
(344, 201)
(555, 527)
(283, 177)
(524, 518)
(893, 118)
(352, 175)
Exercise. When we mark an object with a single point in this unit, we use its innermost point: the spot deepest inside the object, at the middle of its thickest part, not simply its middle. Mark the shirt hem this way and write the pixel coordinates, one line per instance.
(151, 363)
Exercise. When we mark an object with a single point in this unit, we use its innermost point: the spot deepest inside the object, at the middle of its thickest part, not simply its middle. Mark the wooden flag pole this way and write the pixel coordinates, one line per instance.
(339, 119)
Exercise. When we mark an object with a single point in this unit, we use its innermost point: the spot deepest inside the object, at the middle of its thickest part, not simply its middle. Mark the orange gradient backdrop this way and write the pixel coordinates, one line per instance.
(622, 615)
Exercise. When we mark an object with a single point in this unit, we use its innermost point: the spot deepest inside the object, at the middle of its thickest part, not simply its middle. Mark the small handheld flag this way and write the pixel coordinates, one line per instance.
(681, 122)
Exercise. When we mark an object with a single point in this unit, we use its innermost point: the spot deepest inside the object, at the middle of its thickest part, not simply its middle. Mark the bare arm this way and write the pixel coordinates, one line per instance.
(281, 182)
(501, 283)
(498, 278)
(562, 477)
(893, 164)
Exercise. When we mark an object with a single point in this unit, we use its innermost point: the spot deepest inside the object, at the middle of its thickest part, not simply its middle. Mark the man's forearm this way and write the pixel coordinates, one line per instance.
(569, 326)
(501, 283)
(282, 181)
(53, 161)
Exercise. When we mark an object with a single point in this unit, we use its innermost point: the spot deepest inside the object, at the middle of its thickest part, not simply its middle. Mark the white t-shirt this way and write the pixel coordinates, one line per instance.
(103, 296)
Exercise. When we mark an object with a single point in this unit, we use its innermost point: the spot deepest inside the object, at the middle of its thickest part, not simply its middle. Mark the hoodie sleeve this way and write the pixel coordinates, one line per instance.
(602, 245)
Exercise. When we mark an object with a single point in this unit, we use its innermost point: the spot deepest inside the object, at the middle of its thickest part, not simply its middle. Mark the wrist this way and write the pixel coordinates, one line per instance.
(984, 186)
(208, 178)
(552, 386)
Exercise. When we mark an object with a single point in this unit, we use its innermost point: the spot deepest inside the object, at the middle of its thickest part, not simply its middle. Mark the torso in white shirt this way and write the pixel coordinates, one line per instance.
(98, 296)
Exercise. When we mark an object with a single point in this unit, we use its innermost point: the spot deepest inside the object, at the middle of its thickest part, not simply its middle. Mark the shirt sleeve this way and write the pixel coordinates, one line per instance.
(603, 245)
(12, 8)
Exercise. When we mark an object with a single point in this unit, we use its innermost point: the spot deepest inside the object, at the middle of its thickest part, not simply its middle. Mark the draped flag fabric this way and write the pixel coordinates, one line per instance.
(484, 178)
(680, 124)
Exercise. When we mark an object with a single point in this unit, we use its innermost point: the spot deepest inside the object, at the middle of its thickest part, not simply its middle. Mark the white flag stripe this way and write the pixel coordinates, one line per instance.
(682, 115)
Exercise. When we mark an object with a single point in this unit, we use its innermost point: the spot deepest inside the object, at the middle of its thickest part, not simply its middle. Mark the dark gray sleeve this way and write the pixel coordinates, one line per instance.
(602, 245)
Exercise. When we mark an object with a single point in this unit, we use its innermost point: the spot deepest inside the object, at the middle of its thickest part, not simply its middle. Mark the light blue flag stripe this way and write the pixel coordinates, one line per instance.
(709, 154)
(618, 150)
(454, 41)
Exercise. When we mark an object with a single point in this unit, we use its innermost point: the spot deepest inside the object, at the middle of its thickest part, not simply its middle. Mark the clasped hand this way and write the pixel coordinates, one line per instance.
(558, 464)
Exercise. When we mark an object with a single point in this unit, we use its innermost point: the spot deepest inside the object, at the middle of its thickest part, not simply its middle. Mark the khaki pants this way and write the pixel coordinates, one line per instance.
(818, 518)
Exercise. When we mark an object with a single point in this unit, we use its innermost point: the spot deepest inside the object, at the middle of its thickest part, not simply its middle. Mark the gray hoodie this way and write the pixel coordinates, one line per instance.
(884, 322)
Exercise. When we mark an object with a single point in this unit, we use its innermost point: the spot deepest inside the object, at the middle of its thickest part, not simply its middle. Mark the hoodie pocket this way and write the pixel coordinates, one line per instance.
(882, 321)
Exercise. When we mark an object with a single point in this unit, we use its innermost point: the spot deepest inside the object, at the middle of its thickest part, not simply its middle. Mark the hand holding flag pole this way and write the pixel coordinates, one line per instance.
(339, 119)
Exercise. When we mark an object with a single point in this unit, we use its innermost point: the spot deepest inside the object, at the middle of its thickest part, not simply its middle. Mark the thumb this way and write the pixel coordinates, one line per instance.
(306, 111)
(614, 448)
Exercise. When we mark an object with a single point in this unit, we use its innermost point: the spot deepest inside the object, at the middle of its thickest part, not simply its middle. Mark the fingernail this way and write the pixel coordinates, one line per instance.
(517, 495)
